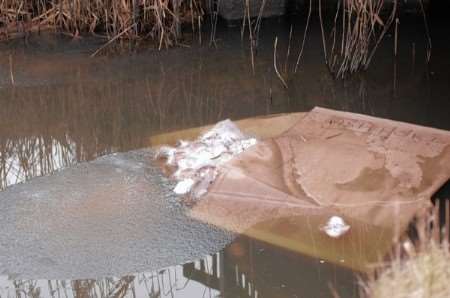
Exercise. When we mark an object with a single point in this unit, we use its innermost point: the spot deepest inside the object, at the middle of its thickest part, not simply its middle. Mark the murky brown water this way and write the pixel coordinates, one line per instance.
(58, 107)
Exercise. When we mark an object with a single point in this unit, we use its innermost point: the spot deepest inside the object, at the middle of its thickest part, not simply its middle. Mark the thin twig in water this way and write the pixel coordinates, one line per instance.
(275, 63)
(323, 32)
(199, 21)
(396, 36)
(333, 57)
(250, 36)
(427, 31)
(259, 20)
(253, 29)
(304, 37)
(288, 53)
(112, 40)
(212, 40)
(11, 73)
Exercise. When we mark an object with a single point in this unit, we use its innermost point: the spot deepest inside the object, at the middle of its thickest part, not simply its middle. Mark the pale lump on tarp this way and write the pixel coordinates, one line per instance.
(197, 162)
(335, 227)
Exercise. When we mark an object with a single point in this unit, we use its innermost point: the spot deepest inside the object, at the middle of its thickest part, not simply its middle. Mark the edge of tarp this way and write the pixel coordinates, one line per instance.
(260, 127)
(363, 117)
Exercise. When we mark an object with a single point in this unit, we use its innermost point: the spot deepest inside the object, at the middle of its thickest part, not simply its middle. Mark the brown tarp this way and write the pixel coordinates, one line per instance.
(374, 173)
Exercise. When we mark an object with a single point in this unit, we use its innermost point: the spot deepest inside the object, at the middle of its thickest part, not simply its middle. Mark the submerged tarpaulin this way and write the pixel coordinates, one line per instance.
(376, 174)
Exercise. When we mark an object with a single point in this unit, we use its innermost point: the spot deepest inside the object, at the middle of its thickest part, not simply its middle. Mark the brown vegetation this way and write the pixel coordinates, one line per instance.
(159, 20)
(358, 27)
(355, 40)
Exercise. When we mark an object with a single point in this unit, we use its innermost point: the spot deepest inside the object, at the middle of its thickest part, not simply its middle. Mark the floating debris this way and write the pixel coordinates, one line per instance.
(196, 162)
(335, 227)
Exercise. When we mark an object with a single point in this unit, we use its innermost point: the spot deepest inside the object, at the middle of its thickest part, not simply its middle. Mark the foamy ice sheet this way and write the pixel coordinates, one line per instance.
(197, 163)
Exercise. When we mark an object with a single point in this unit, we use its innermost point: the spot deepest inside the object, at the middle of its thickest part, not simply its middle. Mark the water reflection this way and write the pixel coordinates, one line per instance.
(46, 128)
(84, 108)
(22, 159)
(246, 268)
(169, 282)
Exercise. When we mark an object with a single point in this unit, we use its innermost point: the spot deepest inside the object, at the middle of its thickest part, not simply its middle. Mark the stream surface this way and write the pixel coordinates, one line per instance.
(84, 212)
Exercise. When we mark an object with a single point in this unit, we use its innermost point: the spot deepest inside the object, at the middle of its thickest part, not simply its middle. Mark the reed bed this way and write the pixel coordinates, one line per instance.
(159, 20)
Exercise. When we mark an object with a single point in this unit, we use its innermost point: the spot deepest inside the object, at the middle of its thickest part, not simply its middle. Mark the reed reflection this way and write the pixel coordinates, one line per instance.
(46, 128)
(240, 270)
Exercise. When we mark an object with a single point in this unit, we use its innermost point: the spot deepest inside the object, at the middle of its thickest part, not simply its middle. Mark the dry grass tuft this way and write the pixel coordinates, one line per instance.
(420, 266)
(425, 274)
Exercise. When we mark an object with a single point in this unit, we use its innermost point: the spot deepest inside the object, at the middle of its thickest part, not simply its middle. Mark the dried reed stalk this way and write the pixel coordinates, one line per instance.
(299, 57)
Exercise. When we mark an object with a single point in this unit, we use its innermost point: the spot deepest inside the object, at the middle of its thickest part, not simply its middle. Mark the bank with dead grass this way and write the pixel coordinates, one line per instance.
(159, 20)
